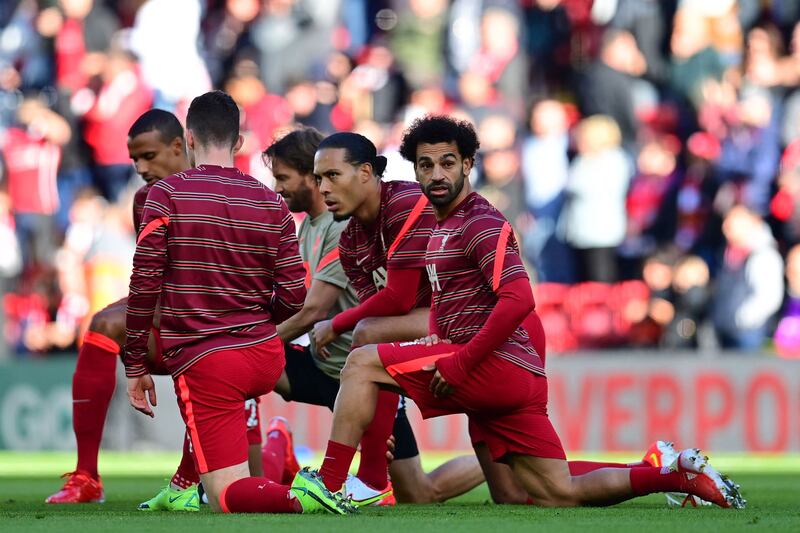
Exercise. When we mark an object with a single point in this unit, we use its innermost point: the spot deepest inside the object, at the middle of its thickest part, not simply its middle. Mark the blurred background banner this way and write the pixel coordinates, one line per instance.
(618, 402)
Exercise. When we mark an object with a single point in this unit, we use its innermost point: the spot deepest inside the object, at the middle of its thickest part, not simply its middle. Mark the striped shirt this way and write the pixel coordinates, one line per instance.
(364, 249)
(139, 199)
(464, 273)
(221, 251)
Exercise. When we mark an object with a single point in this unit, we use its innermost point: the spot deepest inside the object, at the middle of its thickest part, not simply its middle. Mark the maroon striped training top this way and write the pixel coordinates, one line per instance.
(364, 249)
(221, 251)
(470, 255)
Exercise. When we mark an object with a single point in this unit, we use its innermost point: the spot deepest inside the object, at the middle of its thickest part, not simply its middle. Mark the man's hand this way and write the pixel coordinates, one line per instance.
(324, 335)
(432, 339)
(142, 394)
(391, 444)
(439, 387)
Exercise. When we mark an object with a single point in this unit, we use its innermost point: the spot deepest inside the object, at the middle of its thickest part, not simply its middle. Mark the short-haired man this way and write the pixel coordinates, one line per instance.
(156, 147)
(220, 250)
(491, 372)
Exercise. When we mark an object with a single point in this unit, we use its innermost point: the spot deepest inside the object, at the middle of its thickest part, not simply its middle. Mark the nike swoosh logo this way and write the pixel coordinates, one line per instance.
(359, 261)
(173, 500)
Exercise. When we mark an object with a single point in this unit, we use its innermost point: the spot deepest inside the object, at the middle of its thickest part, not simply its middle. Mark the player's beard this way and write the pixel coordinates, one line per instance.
(453, 190)
(300, 200)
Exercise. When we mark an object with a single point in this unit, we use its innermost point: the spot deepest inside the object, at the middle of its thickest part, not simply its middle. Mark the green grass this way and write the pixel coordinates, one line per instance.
(770, 485)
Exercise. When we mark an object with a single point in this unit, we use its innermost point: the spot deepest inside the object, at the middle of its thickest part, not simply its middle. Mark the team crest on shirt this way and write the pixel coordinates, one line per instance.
(433, 277)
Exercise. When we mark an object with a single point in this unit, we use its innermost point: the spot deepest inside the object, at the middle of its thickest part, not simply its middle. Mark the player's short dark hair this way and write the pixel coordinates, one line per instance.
(358, 150)
(164, 122)
(213, 118)
(434, 129)
(296, 149)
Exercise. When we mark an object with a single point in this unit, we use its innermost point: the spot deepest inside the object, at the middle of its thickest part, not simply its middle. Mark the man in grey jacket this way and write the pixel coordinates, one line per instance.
(749, 288)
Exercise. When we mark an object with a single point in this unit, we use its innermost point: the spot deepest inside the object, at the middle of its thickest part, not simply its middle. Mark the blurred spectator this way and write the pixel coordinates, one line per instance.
(417, 40)
(10, 264)
(31, 151)
(500, 169)
(694, 60)
(749, 287)
(310, 107)
(165, 39)
(607, 86)
(547, 37)
(81, 31)
(785, 205)
(381, 88)
(787, 334)
(789, 73)
(545, 170)
(750, 148)
(262, 114)
(657, 272)
(595, 212)
(120, 100)
(644, 20)
(24, 53)
(227, 36)
(650, 202)
(501, 60)
(290, 40)
(763, 54)
(690, 296)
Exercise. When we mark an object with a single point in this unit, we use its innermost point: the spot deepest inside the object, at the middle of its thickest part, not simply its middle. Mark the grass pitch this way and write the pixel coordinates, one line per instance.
(770, 485)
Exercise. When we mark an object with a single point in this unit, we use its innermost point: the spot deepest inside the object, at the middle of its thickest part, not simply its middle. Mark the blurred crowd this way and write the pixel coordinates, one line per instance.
(647, 152)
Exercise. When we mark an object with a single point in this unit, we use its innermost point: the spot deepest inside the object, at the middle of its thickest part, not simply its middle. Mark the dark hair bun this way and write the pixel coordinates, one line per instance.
(379, 165)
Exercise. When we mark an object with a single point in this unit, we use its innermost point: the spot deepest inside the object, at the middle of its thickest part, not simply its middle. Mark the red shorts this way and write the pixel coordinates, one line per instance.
(506, 404)
(211, 394)
(533, 325)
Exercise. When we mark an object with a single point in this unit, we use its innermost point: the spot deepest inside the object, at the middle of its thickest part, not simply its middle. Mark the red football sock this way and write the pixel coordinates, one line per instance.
(579, 468)
(186, 475)
(336, 464)
(258, 495)
(374, 468)
(273, 456)
(92, 388)
(647, 480)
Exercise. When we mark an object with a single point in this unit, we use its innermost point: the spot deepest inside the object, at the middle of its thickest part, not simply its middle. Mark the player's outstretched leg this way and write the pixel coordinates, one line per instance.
(92, 389)
(663, 453)
(549, 483)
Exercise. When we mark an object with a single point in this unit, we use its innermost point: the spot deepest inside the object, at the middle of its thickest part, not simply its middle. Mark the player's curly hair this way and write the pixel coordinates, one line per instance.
(434, 129)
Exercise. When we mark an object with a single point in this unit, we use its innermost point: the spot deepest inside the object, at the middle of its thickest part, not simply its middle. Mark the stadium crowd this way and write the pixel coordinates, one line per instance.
(646, 152)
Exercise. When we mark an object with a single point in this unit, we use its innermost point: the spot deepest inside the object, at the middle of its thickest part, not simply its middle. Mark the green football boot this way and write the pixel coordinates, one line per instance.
(169, 499)
(314, 497)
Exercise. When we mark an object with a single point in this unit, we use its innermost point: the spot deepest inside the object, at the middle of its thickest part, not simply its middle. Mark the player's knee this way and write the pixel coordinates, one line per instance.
(363, 332)
(359, 363)
(109, 324)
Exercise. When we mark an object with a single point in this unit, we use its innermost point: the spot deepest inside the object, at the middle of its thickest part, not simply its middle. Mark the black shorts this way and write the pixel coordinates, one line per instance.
(311, 385)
